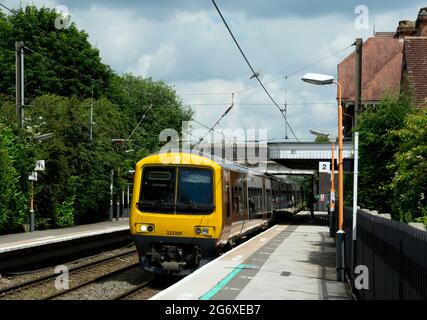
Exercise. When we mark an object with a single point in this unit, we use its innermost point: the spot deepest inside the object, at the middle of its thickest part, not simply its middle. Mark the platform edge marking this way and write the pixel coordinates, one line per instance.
(208, 295)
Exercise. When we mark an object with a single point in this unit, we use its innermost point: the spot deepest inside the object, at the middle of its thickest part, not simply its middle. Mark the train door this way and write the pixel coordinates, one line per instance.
(236, 204)
(226, 204)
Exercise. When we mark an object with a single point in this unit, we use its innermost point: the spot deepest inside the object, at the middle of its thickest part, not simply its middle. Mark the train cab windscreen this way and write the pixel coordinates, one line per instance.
(160, 192)
(195, 192)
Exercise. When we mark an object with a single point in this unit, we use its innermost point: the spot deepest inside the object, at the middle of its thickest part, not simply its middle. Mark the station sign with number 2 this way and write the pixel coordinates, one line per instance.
(324, 166)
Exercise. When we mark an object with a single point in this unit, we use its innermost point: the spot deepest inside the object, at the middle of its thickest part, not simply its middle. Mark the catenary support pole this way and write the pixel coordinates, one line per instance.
(19, 45)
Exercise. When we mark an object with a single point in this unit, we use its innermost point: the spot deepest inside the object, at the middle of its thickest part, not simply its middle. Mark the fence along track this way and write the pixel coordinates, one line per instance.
(394, 253)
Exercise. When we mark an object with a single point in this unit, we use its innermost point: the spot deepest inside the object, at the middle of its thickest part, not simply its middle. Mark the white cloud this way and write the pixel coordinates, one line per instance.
(192, 50)
(161, 62)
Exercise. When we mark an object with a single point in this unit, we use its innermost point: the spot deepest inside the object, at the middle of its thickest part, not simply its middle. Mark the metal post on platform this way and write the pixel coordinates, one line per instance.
(32, 208)
(340, 262)
(128, 196)
(111, 196)
(117, 210)
(122, 209)
(332, 199)
(355, 176)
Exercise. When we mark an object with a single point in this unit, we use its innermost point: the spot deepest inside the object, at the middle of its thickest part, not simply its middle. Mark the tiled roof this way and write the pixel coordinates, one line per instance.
(381, 69)
(415, 53)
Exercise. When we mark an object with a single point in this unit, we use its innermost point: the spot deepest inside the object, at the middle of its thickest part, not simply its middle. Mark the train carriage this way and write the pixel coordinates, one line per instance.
(186, 208)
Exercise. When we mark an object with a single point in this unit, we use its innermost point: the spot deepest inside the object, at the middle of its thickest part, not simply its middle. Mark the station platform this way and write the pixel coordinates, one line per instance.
(293, 260)
(57, 242)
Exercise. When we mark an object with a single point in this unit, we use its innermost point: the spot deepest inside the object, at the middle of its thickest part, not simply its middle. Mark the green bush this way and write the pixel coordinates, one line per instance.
(377, 146)
(408, 187)
(13, 197)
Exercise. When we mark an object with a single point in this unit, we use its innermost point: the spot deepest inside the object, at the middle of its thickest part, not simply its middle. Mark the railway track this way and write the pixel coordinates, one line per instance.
(91, 281)
(134, 291)
(43, 288)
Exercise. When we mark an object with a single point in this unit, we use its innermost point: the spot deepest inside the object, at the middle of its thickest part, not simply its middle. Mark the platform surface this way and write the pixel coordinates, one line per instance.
(292, 260)
(20, 241)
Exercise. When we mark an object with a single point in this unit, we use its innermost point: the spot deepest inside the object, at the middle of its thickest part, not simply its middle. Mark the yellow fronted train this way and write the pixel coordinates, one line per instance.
(186, 208)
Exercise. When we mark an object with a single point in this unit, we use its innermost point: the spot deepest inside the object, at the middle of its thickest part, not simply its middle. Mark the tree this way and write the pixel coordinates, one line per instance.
(377, 147)
(159, 103)
(74, 189)
(15, 156)
(321, 139)
(62, 62)
(409, 166)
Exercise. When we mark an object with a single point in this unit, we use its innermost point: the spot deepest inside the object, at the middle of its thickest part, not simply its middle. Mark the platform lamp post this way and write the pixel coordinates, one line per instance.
(322, 79)
(331, 138)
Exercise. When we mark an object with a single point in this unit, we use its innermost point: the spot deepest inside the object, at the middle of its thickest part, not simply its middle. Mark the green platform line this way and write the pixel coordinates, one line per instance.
(223, 282)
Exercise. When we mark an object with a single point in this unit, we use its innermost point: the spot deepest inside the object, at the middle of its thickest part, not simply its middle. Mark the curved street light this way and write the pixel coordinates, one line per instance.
(322, 79)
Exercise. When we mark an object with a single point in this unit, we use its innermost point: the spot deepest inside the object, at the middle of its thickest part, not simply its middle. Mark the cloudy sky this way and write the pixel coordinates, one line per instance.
(185, 43)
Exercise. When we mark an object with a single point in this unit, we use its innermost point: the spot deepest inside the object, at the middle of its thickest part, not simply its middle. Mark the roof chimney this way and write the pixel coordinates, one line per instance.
(421, 23)
(406, 28)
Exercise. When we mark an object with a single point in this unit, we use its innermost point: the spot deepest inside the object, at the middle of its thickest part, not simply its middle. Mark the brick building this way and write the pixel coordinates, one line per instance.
(391, 62)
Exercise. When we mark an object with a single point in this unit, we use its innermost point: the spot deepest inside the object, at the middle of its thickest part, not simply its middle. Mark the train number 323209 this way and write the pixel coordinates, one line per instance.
(174, 233)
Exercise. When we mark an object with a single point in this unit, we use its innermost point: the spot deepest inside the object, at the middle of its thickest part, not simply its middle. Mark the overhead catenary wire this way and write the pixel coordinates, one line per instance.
(285, 77)
(239, 141)
(216, 123)
(250, 104)
(252, 69)
(139, 123)
(260, 104)
(207, 127)
(248, 141)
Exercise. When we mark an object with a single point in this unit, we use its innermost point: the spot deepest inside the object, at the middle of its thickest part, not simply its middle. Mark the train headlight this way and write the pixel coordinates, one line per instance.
(145, 228)
(204, 231)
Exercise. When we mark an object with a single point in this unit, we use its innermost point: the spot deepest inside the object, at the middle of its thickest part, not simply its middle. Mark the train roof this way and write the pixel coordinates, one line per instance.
(229, 165)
